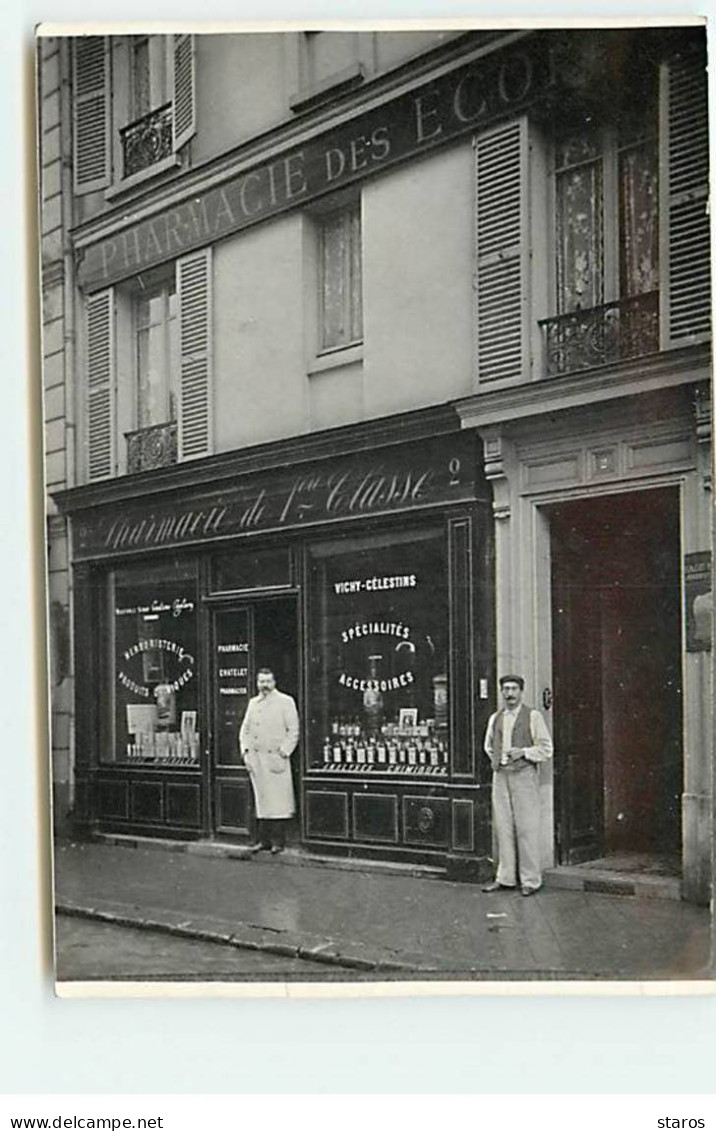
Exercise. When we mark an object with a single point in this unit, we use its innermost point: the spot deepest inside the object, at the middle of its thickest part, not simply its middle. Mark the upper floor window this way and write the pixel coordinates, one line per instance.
(606, 193)
(156, 337)
(606, 181)
(340, 278)
(148, 359)
(135, 125)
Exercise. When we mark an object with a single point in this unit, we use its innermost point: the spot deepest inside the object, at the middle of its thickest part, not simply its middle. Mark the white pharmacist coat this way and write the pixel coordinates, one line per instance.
(267, 739)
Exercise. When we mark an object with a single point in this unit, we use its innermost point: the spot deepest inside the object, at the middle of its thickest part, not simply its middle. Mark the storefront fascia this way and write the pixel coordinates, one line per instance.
(358, 564)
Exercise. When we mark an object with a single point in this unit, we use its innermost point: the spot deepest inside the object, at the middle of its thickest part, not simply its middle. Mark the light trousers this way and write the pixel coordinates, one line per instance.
(516, 817)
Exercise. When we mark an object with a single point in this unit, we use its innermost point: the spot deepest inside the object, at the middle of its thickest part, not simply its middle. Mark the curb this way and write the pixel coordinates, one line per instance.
(245, 936)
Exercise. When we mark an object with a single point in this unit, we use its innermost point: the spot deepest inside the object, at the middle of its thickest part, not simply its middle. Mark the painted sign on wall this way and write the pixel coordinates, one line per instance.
(410, 477)
(467, 99)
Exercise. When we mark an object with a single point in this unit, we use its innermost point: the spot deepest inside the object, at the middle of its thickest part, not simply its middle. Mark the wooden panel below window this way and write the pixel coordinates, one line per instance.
(113, 799)
(326, 815)
(463, 826)
(233, 806)
(375, 817)
(146, 801)
(183, 805)
(426, 820)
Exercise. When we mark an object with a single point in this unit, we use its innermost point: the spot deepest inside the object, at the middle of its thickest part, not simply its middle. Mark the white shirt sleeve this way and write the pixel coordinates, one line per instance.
(489, 745)
(542, 748)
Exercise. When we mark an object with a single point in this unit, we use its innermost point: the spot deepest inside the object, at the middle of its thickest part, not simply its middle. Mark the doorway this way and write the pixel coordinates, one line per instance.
(247, 636)
(616, 636)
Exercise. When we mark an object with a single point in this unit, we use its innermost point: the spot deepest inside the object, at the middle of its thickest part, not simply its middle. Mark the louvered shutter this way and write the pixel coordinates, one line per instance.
(184, 120)
(502, 260)
(100, 385)
(194, 286)
(91, 107)
(686, 267)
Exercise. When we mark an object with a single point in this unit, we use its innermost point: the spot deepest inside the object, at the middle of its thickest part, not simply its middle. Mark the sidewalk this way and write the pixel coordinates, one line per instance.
(391, 925)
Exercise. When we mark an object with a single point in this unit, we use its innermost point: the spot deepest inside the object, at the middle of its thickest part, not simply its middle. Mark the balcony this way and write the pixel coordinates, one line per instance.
(150, 448)
(148, 140)
(602, 335)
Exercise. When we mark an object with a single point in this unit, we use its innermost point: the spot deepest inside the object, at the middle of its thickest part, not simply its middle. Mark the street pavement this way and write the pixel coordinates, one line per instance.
(388, 924)
(87, 945)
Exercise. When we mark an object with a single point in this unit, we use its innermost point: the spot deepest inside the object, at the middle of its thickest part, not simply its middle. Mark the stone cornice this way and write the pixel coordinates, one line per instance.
(577, 390)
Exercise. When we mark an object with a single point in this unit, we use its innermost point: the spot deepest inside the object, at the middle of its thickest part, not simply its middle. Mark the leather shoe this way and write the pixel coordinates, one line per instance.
(254, 848)
(276, 849)
(529, 891)
(494, 886)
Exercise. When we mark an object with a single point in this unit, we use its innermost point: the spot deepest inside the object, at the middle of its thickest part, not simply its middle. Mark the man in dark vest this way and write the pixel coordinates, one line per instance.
(516, 741)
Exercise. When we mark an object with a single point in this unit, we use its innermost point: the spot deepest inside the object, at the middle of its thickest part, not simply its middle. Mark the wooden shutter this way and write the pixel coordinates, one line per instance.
(194, 286)
(184, 120)
(91, 110)
(685, 244)
(101, 427)
(502, 260)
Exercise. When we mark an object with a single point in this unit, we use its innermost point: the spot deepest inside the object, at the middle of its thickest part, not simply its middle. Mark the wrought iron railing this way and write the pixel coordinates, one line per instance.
(148, 140)
(602, 335)
(149, 448)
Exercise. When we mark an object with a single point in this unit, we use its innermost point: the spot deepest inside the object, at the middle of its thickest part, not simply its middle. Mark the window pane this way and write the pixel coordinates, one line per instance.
(356, 276)
(333, 281)
(378, 679)
(155, 683)
(638, 220)
(140, 77)
(232, 683)
(157, 357)
(580, 265)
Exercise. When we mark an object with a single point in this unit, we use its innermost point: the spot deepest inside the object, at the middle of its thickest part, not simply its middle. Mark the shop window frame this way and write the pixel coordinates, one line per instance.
(465, 731)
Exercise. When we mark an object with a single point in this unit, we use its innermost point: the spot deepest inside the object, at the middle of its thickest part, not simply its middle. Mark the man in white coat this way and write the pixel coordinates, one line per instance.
(267, 739)
(516, 741)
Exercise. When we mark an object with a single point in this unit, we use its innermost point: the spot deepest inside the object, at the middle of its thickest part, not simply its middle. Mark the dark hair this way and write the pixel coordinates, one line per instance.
(512, 679)
(264, 671)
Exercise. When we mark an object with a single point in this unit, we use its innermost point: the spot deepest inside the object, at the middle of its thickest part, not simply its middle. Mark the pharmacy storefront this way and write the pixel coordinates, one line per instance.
(361, 574)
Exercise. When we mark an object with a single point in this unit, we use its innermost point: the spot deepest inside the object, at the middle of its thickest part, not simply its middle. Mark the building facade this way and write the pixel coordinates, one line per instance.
(381, 359)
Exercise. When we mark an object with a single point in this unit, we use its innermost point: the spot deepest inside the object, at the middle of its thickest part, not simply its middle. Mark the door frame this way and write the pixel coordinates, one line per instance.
(542, 602)
(244, 601)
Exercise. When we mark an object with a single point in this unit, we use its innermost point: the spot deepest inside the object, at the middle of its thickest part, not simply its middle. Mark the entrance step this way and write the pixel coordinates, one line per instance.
(297, 857)
(581, 877)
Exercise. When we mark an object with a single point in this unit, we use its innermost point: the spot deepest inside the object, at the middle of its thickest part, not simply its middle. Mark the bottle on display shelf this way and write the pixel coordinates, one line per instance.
(327, 751)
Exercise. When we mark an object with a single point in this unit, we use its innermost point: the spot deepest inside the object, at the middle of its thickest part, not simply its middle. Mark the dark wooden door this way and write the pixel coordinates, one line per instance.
(576, 618)
(617, 684)
(246, 636)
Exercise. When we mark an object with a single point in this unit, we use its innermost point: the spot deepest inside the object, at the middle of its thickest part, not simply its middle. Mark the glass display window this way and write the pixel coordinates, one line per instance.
(153, 671)
(378, 687)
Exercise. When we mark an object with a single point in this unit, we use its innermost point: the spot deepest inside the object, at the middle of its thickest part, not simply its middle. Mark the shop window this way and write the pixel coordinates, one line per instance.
(340, 278)
(607, 239)
(378, 688)
(153, 662)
